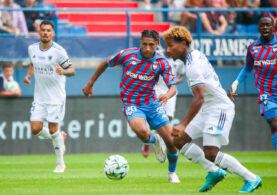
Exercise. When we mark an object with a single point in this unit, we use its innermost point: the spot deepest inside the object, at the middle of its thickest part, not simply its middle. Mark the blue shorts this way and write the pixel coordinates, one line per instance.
(153, 113)
(268, 107)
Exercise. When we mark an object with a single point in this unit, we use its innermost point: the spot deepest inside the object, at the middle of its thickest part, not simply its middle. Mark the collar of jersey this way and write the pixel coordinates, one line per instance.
(45, 49)
(269, 43)
(152, 59)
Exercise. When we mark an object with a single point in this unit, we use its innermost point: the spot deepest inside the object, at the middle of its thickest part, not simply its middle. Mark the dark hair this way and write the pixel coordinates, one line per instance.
(272, 21)
(7, 65)
(151, 34)
(46, 22)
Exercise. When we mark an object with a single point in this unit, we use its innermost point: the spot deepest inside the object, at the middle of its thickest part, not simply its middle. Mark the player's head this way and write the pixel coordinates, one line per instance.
(7, 70)
(46, 31)
(149, 41)
(177, 41)
(266, 27)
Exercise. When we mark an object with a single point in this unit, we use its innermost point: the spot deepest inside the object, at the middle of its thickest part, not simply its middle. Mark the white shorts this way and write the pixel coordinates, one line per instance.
(213, 125)
(52, 113)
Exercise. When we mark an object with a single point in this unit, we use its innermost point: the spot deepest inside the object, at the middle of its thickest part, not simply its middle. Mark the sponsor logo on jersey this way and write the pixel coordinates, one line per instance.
(264, 62)
(41, 57)
(140, 76)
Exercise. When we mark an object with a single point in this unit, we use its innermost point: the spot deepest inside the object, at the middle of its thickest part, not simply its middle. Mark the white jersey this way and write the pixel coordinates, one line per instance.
(199, 71)
(178, 68)
(49, 86)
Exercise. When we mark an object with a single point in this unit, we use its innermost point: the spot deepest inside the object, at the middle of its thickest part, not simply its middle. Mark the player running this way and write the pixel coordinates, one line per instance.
(261, 56)
(210, 115)
(49, 64)
(141, 70)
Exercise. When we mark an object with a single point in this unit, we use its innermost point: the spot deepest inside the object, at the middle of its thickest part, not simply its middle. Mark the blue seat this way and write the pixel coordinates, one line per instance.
(241, 28)
(78, 30)
(252, 28)
(63, 30)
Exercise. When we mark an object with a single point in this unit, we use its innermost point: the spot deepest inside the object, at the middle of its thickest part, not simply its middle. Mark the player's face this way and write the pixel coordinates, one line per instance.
(266, 27)
(8, 72)
(175, 49)
(46, 33)
(148, 47)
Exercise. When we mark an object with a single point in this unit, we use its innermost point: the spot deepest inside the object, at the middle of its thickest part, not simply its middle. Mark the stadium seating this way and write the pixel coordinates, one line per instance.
(113, 22)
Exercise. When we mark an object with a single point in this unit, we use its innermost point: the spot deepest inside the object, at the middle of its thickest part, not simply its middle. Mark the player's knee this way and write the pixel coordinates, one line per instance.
(143, 134)
(210, 153)
(35, 129)
(273, 124)
(181, 140)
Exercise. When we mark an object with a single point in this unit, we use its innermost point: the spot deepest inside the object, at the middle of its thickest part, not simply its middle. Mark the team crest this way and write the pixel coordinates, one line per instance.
(49, 58)
(274, 50)
(155, 66)
(130, 110)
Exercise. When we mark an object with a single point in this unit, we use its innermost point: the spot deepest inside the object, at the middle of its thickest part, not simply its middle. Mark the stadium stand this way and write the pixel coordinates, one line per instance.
(98, 22)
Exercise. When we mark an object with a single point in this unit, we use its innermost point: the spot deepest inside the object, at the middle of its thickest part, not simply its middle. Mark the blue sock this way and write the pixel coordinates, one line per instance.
(274, 140)
(152, 139)
(172, 161)
(165, 14)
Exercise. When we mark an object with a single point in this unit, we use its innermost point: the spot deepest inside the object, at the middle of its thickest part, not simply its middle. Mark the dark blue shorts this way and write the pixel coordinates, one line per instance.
(268, 107)
(153, 113)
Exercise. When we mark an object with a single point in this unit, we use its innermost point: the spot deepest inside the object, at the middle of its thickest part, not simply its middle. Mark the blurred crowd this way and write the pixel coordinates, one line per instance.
(216, 22)
(19, 22)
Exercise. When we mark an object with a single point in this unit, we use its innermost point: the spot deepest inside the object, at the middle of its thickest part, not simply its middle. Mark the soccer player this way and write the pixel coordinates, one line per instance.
(161, 88)
(141, 70)
(261, 56)
(49, 64)
(210, 115)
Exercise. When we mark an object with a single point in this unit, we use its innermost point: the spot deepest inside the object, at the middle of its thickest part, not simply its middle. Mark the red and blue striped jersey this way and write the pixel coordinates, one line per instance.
(139, 75)
(262, 58)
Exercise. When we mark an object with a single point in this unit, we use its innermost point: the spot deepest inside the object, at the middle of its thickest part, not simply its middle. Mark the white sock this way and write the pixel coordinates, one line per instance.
(228, 162)
(196, 155)
(57, 140)
(44, 133)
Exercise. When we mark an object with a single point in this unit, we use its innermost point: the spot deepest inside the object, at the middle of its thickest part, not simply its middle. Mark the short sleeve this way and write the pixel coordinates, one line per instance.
(167, 73)
(195, 75)
(117, 59)
(29, 55)
(63, 59)
(180, 67)
(2, 84)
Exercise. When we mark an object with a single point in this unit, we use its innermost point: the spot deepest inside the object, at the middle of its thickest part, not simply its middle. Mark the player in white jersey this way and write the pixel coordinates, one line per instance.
(178, 69)
(210, 115)
(49, 64)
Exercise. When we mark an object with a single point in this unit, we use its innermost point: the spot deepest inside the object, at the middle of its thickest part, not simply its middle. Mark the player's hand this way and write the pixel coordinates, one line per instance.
(163, 99)
(177, 130)
(27, 80)
(59, 70)
(88, 90)
(231, 94)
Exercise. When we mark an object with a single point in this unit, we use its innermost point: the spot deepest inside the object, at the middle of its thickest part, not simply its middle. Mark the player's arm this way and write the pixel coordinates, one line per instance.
(197, 101)
(88, 89)
(30, 72)
(179, 79)
(69, 71)
(15, 93)
(169, 94)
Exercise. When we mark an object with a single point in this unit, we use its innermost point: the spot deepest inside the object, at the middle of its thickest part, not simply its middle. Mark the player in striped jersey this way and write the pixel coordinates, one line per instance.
(141, 70)
(261, 56)
(210, 115)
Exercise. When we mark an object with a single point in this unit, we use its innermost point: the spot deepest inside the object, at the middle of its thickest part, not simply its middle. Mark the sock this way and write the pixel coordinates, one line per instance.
(172, 161)
(196, 155)
(152, 139)
(44, 133)
(274, 140)
(228, 162)
(165, 14)
(57, 140)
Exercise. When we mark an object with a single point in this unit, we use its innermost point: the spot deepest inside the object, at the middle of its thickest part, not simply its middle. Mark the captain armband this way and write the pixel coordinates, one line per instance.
(66, 64)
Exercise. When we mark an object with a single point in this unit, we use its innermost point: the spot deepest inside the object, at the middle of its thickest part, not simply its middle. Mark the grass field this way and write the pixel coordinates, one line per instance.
(32, 174)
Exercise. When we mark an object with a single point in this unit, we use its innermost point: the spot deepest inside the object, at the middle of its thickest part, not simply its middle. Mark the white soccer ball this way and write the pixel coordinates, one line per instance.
(11, 86)
(116, 167)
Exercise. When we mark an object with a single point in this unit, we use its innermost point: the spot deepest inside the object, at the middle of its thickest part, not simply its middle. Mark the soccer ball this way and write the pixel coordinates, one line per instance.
(116, 167)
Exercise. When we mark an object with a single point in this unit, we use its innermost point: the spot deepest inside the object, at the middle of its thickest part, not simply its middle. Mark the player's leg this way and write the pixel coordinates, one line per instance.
(172, 152)
(55, 115)
(38, 115)
(216, 133)
(273, 126)
(196, 154)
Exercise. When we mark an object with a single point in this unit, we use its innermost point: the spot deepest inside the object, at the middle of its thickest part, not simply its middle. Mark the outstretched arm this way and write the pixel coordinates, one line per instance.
(88, 89)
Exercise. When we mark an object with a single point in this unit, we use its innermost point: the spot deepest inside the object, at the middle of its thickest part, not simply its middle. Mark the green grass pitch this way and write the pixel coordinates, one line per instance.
(32, 174)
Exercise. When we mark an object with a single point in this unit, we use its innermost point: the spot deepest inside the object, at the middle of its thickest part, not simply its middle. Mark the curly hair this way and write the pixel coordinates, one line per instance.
(178, 34)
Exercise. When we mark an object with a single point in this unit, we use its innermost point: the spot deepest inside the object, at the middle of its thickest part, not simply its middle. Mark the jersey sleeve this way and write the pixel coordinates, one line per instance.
(117, 59)
(180, 67)
(63, 59)
(29, 55)
(167, 73)
(195, 75)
